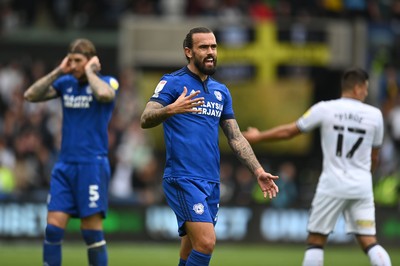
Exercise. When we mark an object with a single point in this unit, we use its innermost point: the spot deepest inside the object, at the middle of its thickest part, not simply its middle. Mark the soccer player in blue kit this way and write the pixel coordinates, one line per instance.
(79, 180)
(191, 106)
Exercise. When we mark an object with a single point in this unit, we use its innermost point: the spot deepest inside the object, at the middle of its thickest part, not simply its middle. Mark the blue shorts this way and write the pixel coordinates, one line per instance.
(192, 199)
(80, 189)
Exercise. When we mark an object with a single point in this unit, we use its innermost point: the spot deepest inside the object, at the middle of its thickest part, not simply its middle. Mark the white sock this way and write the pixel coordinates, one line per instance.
(378, 256)
(313, 257)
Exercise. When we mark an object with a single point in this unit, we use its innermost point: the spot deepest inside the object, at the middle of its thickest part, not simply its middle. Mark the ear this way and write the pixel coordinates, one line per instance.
(359, 90)
(188, 52)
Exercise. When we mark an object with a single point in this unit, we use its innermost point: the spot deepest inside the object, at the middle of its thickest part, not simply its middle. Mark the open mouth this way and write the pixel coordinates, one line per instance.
(209, 61)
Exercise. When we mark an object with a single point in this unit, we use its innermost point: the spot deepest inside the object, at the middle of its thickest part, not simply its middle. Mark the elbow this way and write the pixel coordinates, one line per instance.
(106, 97)
(289, 132)
(143, 122)
(143, 125)
(28, 96)
(287, 135)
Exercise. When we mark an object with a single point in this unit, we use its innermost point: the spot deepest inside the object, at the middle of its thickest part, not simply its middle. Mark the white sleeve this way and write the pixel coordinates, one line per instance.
(312, 118)
(378, 138)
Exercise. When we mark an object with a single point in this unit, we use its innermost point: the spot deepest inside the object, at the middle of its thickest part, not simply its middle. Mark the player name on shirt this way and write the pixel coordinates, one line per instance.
(349, 116)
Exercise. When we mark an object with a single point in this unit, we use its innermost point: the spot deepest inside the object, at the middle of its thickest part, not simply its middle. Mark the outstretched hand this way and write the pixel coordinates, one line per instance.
(187, 103)
(266, 182)
(251, 134)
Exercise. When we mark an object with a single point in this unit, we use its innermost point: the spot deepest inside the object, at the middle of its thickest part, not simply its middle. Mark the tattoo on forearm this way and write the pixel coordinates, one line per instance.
(40, 87)
(97, 85)
(240, 145)
(153, 115)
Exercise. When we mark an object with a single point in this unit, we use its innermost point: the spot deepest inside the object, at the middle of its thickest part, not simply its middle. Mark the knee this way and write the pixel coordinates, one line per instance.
(94, 222)
(206, 246)
(316, 239)
(366, 241)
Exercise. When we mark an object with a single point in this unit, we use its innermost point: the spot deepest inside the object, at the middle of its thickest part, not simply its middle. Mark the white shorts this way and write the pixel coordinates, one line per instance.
(359, 215)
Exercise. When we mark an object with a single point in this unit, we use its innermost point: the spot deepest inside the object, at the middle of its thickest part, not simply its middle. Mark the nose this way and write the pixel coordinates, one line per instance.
(72, 65)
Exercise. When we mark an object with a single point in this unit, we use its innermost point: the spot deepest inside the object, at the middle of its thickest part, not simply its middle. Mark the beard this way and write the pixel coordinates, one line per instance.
(201, 66)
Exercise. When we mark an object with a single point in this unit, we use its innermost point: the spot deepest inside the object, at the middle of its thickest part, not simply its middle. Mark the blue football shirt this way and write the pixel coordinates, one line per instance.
(85, 120)
(191, 140)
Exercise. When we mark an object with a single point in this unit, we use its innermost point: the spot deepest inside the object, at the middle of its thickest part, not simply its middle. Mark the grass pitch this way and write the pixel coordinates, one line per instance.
(153, 254)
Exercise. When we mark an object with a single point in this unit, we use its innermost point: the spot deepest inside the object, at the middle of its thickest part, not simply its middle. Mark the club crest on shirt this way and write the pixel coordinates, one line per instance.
(198, 208)
(89, 90)
(218, 95)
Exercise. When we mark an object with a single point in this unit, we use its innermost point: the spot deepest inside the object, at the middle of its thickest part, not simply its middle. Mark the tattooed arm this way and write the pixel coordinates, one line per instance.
(155, 113)
(245, 154)
(101, 89)
(41, 90)
(239, 145)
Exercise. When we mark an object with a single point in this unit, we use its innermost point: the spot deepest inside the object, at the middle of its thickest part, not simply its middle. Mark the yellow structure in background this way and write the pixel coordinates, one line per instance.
(265, 100)
(266, 53)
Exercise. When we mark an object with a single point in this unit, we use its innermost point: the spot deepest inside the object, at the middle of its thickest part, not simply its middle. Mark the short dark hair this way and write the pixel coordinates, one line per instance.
(82, 46)
(352, 77)
(188, 41)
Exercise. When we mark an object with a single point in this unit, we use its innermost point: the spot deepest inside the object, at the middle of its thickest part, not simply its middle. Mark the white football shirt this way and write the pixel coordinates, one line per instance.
(349, 130)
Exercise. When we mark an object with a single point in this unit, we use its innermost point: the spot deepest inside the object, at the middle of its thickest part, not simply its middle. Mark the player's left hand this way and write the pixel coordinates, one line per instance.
(93, 64)
(266, 182)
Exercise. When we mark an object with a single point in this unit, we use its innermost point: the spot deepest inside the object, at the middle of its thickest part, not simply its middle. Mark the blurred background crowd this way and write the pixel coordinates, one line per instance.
(105, 14)
(30, 133)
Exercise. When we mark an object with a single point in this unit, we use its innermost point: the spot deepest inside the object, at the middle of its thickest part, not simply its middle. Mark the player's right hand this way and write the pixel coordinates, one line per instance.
(65, 65)
(187, 103)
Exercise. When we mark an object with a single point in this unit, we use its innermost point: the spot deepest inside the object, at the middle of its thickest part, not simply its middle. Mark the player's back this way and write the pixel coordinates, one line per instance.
(349, 131)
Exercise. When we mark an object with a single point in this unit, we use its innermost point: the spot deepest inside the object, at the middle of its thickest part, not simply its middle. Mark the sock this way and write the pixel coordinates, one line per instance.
(198, 259)
(378, 255)
(182, 262)
(52, 245)
(314, 256)
(97, 249)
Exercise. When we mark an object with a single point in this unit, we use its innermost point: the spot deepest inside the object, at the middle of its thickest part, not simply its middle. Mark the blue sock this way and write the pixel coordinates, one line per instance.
(182, 262)
(97, 249)
(52, 245)
(198, 259)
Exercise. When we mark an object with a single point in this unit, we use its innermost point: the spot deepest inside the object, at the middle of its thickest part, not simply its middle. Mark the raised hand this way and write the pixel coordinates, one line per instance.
(93, 64)
(187, 103)
(65, 66)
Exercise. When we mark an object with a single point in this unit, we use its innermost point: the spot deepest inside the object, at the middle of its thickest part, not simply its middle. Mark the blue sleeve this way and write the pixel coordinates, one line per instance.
(58, 84)
(167, 90)
(227, 113)
(111, 81)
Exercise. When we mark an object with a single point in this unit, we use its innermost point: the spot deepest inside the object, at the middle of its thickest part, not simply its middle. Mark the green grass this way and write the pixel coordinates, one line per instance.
(150, 254)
